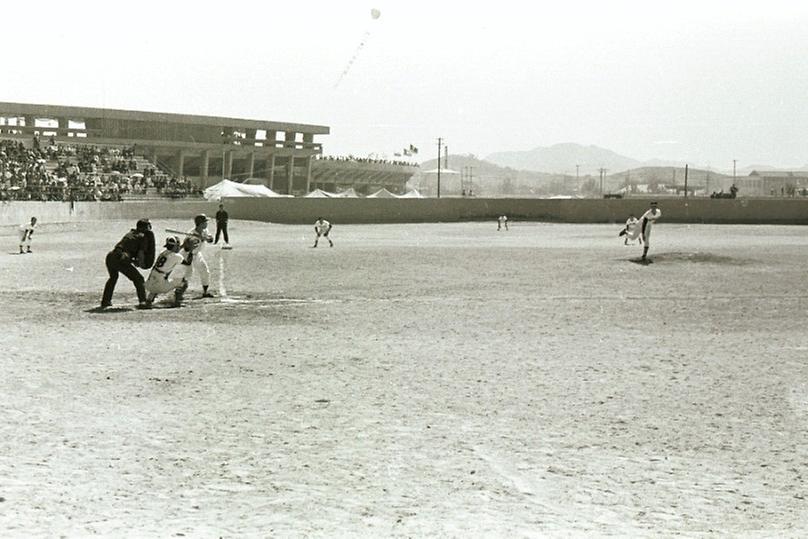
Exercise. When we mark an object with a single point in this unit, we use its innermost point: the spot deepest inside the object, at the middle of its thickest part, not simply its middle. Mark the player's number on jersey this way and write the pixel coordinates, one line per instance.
(160, 262)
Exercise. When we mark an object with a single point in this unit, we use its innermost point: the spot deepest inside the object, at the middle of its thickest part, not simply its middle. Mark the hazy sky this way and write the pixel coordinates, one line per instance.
(706, 82)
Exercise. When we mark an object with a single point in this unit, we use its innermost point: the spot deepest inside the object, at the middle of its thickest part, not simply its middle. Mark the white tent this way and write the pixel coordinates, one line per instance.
(319, 193)
(382, 193)
(226, 188)
(412, 193)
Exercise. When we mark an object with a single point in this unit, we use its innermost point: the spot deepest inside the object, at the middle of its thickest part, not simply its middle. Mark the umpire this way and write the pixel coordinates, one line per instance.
(136, 248)
(221, 226)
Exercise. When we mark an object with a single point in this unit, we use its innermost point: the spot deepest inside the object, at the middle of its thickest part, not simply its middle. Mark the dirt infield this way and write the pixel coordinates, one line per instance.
(414, 380)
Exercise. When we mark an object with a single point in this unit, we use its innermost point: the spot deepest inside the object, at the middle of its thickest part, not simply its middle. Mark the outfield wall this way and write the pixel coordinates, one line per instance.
(16, 213)
(382, 210)
(369, 210)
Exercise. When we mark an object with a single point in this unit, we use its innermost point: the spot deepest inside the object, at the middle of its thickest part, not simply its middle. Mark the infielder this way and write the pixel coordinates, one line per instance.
(631, 230)
(646, 224)
(195, 243)
(322, 228)
(26, 231)
(502, 222)
(160, 280)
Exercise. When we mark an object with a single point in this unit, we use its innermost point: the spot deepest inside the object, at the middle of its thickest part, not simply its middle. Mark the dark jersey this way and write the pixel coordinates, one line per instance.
(133, 242)
(221, 216)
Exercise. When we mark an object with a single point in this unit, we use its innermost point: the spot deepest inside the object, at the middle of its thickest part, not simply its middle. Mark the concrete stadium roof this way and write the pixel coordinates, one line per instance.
(56, 111)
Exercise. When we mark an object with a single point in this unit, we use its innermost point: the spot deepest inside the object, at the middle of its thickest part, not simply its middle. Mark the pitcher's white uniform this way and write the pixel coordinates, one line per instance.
(646, 223)
(160, 280)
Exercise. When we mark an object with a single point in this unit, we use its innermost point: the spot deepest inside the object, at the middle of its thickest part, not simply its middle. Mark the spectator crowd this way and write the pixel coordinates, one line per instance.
(65, 172)
(352, 159)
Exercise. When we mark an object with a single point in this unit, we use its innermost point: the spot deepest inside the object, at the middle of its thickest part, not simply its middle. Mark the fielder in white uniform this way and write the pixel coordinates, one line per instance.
(632, 230)
(646, 224)
(322, 228)
(197, 238)
(160, 279)
(502, 222)
(26, 231)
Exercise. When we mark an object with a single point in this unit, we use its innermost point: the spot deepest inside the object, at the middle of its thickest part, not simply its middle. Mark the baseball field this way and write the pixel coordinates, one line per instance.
(415, 380)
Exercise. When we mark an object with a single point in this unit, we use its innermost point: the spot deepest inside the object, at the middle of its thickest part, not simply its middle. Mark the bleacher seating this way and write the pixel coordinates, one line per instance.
(73, 172)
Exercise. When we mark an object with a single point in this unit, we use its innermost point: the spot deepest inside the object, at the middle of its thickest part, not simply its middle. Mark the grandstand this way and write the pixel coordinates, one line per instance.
(176, 152)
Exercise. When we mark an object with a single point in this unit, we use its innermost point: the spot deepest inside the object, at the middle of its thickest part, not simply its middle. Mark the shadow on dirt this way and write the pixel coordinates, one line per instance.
(108, 310)
(695, 258)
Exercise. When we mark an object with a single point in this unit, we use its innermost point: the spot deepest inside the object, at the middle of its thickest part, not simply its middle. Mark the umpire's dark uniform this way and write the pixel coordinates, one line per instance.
(221, 225)
(122, 259)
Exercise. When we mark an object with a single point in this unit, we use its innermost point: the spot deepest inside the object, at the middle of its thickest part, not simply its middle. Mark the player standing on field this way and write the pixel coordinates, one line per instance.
(195, 243)
(136, 248)
(646, 224)
(502, 222)
(631, 230)
(160, 280)
(322, 228)
(26, 231)
(221, 227)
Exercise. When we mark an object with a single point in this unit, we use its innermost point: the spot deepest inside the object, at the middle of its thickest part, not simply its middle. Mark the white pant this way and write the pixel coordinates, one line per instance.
(201, 265)
(25, 239)
(158, 284)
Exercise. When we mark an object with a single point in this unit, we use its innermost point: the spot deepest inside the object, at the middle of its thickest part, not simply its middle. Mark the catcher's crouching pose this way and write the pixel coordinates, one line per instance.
(160, 280)
(136, 248)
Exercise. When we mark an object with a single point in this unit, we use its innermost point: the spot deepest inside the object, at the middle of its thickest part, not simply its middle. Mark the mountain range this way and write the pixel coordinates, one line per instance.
(565, 158)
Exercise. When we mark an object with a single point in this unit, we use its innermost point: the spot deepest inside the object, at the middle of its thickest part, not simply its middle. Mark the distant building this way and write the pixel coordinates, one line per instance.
(773, 183)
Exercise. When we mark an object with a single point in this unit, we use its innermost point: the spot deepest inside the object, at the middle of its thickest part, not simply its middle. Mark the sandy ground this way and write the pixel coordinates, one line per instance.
(415, 380)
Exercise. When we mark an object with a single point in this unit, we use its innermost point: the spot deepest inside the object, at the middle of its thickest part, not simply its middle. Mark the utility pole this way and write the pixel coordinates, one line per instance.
(734, 162)
(685, 181)
(602, 177)
(471, 180)
(440, 141)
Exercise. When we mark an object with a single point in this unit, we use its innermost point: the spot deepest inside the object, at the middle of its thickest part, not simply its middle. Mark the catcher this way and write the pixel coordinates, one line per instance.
(160, 280)
(136, 249)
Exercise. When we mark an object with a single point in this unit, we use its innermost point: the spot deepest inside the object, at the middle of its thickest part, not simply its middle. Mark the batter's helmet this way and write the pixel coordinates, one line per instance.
(143, 225)
(201, 218)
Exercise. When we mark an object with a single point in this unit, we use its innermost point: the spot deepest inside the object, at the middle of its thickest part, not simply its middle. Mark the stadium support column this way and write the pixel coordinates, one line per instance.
(290, 173)
(251, 164)
(180, 163)
(64, 125)
(228, 169)
(308, 173)
(203, 168)
(272, 171)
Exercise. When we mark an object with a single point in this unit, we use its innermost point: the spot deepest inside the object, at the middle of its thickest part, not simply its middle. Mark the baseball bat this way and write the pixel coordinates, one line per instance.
(183, 233)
